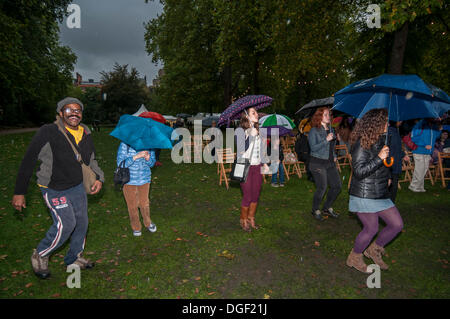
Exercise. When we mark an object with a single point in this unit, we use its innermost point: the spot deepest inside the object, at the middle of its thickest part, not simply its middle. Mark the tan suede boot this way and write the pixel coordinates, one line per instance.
(251, 215)
(374, 252)
(356, 260)
(244, 221)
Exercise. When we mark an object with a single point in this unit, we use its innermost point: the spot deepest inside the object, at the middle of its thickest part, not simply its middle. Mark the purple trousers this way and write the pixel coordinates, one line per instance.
(252, 187)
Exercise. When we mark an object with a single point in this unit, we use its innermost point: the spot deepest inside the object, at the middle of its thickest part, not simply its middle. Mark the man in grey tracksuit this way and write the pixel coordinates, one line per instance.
(60, 179)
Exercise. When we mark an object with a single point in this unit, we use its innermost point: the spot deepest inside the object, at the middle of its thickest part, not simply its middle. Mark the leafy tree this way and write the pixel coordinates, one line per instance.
(125, 92)
(425, 51)
(183, 37)
(35, 71)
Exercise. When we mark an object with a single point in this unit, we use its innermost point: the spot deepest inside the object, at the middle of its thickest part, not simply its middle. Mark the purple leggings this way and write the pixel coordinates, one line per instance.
(394, 224)
(252, 186)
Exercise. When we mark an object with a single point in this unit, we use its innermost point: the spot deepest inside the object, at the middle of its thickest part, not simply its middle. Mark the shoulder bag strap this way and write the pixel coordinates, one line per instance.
(77, 154)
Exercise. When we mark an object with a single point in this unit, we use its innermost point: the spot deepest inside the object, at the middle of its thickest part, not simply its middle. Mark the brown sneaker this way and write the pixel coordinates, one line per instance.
(374, 252)
(83, 263)
(40, 265)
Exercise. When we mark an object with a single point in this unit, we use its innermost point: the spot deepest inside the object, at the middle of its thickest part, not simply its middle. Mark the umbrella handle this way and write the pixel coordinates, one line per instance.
(388, 164)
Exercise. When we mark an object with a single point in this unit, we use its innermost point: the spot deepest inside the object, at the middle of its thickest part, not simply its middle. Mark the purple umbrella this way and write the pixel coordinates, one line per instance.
(270, 130)
(234, 110)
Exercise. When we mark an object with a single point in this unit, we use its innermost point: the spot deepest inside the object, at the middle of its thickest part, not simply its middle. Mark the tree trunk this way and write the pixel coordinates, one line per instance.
(398, 50)
(227, 85)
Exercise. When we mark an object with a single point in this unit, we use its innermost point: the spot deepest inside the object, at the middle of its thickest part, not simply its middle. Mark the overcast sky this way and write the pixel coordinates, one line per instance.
(111, 31)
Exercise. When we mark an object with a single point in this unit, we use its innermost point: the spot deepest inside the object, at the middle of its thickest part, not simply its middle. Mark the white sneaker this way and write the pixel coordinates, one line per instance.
(274, 185)
(414, 190)
(137, 233)
(152, 228)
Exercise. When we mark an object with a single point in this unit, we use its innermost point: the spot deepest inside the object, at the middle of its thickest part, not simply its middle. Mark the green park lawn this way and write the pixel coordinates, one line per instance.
(199, 250)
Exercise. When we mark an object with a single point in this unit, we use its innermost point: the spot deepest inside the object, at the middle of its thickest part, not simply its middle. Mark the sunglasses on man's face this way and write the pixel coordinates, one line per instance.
(69, 110)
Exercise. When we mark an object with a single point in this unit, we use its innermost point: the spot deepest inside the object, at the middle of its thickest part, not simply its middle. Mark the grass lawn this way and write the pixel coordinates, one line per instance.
(199, 250)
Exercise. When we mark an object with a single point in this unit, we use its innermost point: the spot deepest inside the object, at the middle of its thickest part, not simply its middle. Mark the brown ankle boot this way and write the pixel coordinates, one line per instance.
(374, 252)
(356, 260)
(251, 215)
(244, 221)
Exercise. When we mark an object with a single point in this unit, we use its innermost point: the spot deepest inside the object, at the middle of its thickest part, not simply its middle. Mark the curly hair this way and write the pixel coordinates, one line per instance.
(316, 119)
(369, 128)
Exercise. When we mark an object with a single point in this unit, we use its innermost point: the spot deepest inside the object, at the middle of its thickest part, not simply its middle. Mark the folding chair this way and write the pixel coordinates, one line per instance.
(291, 164)
(442, 170)
(342, 160)
(225, 157)
(408, 169)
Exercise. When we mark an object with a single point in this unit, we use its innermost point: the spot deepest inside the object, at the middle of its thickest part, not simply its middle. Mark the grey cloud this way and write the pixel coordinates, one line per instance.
(111, 31)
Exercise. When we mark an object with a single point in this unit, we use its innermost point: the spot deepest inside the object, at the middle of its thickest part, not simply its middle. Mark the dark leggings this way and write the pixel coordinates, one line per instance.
(325, 175)
(394, 224)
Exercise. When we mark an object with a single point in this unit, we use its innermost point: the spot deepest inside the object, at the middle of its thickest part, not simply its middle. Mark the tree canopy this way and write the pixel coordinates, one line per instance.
(293, 50)
(35, 71)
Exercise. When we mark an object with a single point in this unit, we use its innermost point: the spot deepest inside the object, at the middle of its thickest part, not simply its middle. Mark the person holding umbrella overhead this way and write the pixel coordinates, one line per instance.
(252, 143)
(322, 140)
(136, 191)
(369, 190)
(139, 137)
(250, 146)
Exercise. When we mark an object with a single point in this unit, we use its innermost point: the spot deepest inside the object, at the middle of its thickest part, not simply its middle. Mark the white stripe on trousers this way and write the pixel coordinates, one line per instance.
(58, 234)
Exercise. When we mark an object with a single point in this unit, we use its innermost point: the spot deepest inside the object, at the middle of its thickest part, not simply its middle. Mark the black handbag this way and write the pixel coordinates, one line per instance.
(121, 175)
(239, 171)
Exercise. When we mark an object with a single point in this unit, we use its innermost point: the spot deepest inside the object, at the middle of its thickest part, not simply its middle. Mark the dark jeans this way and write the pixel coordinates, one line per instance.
(325, 175)
(394, 187)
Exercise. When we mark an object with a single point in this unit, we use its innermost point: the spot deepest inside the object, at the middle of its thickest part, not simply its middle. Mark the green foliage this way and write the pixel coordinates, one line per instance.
(215, 50)
(35, 71)
(125, 92)
(427, 52)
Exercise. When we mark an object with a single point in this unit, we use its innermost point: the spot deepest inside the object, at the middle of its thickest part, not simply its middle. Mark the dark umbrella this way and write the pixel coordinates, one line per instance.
(310, 107)
(233, 111)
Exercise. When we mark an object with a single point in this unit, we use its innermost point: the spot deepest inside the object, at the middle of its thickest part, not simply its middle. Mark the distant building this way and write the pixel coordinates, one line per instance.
(86, 84)
(157, 81)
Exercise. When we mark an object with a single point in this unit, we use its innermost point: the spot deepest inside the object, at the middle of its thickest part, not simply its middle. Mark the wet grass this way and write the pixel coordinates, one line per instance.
(199, 250)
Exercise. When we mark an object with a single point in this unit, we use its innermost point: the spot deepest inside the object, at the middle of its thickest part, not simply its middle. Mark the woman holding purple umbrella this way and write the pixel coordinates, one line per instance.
(250, 147)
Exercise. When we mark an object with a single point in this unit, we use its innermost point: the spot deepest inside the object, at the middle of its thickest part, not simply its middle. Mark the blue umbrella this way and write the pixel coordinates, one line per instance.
(142, 133)
(405, 96)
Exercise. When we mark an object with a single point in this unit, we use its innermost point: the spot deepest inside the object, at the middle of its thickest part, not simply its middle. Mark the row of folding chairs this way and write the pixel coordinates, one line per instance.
(292, 166)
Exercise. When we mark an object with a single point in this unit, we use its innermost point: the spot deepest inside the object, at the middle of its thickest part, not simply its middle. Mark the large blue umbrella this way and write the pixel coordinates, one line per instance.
(233, 111)
(404, 96)
(142, 133)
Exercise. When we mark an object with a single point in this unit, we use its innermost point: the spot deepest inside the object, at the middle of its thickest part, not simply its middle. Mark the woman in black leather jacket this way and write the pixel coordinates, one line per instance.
(369, 190)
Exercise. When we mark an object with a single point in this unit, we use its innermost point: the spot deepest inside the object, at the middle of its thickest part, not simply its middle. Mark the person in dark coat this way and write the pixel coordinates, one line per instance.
(369, 190)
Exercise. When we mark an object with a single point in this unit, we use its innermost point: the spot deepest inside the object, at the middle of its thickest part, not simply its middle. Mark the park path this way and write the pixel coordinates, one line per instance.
(18, 130)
